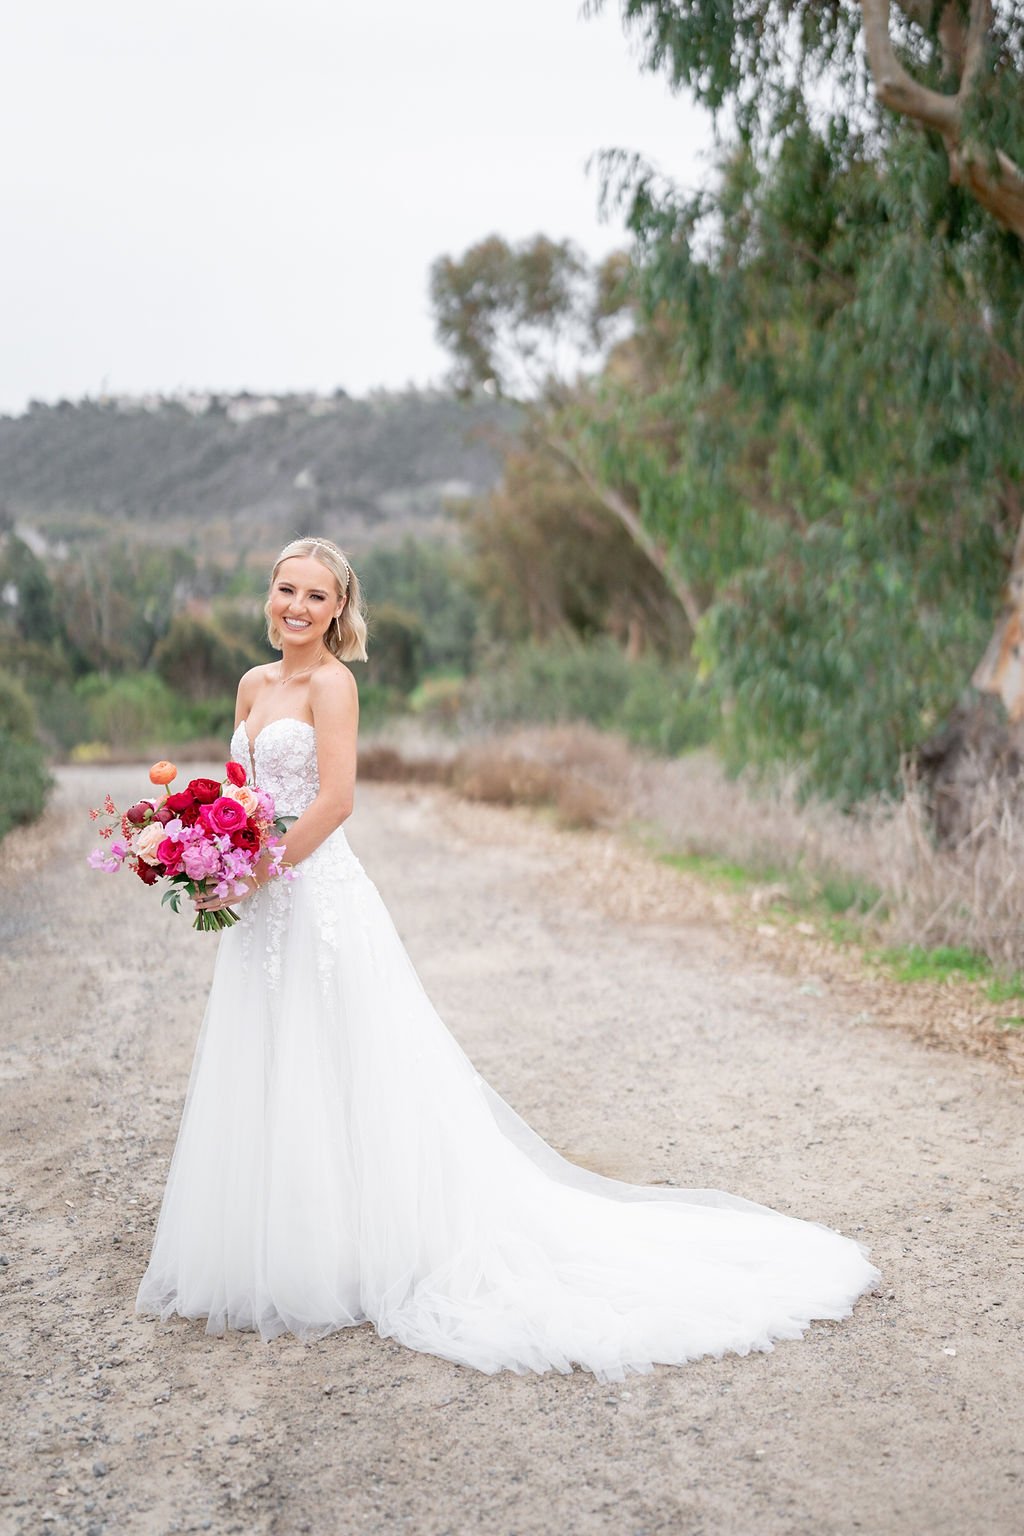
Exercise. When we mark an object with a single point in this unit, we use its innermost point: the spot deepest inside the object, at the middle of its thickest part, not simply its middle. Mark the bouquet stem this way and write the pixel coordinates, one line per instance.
(208, 922)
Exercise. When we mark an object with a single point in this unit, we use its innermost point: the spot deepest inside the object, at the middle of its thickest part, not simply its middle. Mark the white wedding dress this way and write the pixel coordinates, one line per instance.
(340, 1160)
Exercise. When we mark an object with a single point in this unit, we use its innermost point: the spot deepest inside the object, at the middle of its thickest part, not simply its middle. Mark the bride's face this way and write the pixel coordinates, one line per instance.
(304, 601)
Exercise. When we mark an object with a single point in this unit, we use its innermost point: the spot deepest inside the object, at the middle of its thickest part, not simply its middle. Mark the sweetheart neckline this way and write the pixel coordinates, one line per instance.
(251, 744)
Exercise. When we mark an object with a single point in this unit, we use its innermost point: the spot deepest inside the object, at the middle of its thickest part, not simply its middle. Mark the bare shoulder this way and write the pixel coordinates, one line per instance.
(333, 689)
(249, 684)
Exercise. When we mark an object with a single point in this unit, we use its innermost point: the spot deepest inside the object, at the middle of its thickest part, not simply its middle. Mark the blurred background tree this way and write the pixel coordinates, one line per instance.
(806, 401)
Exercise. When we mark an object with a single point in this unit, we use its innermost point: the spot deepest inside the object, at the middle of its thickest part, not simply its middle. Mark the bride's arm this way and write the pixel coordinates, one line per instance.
(334, 702)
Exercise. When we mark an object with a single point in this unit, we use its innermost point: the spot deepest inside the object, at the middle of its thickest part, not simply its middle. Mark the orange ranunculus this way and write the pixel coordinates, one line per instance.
(162, 773)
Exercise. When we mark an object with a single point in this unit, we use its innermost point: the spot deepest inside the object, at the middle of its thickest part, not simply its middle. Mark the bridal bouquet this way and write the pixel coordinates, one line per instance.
(203, 840)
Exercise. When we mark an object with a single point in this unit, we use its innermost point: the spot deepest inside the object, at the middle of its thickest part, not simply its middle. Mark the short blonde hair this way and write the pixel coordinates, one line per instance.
(346, 636)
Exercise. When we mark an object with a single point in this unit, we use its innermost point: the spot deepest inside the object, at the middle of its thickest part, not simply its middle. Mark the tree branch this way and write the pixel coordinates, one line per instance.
(629, 518)
(978, 29)
(992, 178)
(893, 86)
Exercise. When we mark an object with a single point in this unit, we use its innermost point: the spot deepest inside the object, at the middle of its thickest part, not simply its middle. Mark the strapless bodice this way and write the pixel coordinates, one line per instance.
(283, 762)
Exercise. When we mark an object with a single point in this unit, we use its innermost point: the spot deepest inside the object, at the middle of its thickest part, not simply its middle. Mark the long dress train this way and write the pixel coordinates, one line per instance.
(340, 1160)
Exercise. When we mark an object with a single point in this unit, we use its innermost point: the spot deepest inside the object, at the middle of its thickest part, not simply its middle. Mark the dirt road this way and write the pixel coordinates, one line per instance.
(654, 1049)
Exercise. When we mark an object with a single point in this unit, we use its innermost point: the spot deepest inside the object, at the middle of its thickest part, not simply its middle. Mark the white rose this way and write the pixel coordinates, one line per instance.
(148, 841)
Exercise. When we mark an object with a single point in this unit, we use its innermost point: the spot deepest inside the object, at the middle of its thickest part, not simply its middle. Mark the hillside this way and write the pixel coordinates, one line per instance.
(208, 470)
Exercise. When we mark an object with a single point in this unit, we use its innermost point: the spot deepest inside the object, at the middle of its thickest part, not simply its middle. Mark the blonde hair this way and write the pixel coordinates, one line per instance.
(346, 635)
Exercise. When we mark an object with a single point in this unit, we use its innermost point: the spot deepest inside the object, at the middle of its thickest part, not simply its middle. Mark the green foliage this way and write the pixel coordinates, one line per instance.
(24, 780)
(395, 648)
(198, 661)
(815, 417)
(17, 716)
(547, 561)
(429, 580)
(912, 963)
(654, 703)
(28, 595)
(845, 426)
(138, 710)
(501, 309)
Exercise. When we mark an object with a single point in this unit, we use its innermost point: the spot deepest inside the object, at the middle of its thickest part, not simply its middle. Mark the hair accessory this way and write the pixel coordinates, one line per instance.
(326, 544)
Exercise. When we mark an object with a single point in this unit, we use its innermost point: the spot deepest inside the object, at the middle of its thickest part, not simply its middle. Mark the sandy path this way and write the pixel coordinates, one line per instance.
(644, 1048)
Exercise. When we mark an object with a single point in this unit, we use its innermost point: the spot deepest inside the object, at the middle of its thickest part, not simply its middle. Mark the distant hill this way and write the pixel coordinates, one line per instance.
(212, 471)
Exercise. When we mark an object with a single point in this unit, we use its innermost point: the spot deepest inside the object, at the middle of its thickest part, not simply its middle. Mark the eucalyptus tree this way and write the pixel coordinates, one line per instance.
(804, 383)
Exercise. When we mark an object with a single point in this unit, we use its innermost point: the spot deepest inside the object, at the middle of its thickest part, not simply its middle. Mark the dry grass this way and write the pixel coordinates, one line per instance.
(880, 861)
(971, 895)
(579, 772)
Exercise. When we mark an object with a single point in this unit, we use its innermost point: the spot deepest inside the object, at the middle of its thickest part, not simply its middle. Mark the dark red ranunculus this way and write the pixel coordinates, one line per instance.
(206, 791)
(246, 837)
(191, 816)
(137, 814)
(235, 772)
(181, 801)
(163, 815)
(146, 873)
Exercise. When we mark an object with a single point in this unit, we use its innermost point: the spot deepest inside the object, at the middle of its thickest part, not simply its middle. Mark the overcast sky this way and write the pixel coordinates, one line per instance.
(235, 194)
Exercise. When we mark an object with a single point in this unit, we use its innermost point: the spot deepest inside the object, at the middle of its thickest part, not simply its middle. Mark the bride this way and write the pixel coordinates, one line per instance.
(339, 1159)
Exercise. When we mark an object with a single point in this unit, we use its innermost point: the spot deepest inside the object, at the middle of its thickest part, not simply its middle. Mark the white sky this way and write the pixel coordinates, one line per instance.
(238, 194)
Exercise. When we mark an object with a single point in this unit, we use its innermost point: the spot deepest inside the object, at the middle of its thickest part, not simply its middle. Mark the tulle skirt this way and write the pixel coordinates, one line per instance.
(340, 1160)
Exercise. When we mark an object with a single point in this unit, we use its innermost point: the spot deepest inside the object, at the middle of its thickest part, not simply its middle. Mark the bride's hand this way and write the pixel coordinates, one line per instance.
(212, 903)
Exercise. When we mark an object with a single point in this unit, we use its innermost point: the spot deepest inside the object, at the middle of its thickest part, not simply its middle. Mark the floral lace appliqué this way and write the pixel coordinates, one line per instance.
(286, 766)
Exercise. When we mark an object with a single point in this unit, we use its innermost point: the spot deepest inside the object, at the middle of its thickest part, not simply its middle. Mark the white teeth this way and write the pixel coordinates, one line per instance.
(297, 623)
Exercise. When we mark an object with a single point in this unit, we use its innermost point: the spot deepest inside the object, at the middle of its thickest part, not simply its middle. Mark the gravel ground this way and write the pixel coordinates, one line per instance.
(642, 1036)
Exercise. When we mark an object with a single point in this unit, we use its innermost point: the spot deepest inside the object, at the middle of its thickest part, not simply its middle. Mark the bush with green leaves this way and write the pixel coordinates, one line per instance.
(24, 780)
(656, 703)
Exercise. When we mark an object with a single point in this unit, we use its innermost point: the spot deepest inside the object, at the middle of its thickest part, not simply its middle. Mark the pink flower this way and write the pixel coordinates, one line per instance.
(169, 853)
(98, 860)
(200, 861)
(223, 816)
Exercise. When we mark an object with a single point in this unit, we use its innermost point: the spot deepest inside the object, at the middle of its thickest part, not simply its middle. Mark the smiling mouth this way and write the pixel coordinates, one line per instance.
(297, 623)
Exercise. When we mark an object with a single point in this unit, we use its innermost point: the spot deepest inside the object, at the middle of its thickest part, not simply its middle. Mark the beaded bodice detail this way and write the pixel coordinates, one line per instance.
(284, 762)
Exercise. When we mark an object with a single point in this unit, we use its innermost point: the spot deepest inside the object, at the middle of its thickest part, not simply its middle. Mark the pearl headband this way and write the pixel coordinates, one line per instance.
(326, 544)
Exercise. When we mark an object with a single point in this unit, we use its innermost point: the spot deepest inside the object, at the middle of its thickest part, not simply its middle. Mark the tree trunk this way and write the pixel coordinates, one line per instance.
(989, 174)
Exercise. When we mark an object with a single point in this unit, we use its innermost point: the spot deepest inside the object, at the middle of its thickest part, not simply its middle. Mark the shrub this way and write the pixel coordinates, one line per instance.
(198, 661)
(17, 716)
(24, 780)
(656, 703)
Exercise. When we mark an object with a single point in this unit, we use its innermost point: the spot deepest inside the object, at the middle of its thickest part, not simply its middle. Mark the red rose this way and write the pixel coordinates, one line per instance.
(224, 815)
(246, 837)
(146, 873)
(206, 791)
(169, 853)
(181, 801)
(236, 773)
